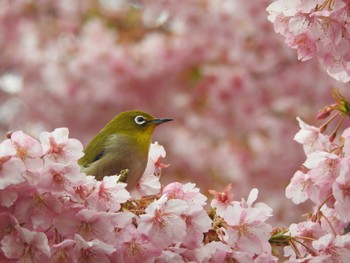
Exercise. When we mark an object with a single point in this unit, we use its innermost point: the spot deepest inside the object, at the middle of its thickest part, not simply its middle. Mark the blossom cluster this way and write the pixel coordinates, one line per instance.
(324, 179)
(318, 28)
(51, 212)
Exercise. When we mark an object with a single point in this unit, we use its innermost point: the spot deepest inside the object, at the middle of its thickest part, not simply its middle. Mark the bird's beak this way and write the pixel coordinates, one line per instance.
(160, 121)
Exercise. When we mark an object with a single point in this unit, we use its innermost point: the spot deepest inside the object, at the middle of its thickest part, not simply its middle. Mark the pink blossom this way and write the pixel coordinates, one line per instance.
(37, 209)
(8, 196)
(247, 230)
(170, 256)
(300, 188)
(215, 252)
(92, 251)
(58, 147)
(26, 246)
(83, 190)
(156, 153)
(7, 224)
(336, 248)
(330, 220)
(266, 257)
(149, 182)
(304, 232)
(346, 136)
(324, 170)
(311, 138)
(67, 223)
(63, 251)
(12, 169)
(96, 225)
(135, 247)
(197, 223)
(28, 150)
(187, 192)
(341, 190)
(162, 223)
(222, 200)
(60, 178)
(108, 194)
(305, 44)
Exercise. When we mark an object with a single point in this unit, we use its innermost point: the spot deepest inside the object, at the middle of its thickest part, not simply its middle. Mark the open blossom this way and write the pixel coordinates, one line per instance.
(331, 222)
(149, 183)
(60, 178)
(108, 194)
(222, 200)
(187, 192)
(305, 233)
(341, 190)
(336, 248)
(162, 222)
(12, 169)
(300, 188)
(346, 137)
(215, 252)
(94, 251)
(197, 223)
(58, 147)
(26, 246)
(28, 150)
(63, 251)
(37, 208)
(311, 138)
(324, 168)
(95, 225)
(135, 247)
(7, 224)
(247, 230)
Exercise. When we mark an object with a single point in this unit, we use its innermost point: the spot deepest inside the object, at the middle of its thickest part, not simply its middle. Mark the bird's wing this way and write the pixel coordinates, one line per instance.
(99, 155)
(94, 150)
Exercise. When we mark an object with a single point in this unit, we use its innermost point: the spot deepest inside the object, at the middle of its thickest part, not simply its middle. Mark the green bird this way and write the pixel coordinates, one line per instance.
(122, 144)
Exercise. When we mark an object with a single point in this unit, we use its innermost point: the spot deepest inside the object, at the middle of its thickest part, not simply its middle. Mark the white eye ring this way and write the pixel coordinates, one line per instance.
(140, 120)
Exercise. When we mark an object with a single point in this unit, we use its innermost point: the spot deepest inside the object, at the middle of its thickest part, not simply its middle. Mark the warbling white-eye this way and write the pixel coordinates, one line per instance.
(122, 144)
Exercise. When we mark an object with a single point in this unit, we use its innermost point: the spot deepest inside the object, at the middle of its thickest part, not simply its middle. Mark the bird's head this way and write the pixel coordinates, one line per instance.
(136, 122)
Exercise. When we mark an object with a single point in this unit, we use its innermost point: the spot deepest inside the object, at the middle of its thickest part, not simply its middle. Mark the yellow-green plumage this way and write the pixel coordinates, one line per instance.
(122, 144)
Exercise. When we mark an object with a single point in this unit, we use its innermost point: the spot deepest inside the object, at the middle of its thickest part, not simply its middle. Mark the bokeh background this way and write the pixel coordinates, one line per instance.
(215, 66)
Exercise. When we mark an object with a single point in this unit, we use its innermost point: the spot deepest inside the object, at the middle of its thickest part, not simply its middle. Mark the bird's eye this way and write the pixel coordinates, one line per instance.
(140, 120)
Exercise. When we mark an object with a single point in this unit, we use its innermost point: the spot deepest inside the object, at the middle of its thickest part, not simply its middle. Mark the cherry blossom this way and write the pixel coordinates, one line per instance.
(222, 200)
(57, 145)
(187, 192)
(247, 229)
(341, 190)
(92, 251)
(136, 247)
(311, 138)
(337, 249)
(28, 150)
(11, 168)
(197, 222)
(108, 194)
(162, 222)
(26, 246)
